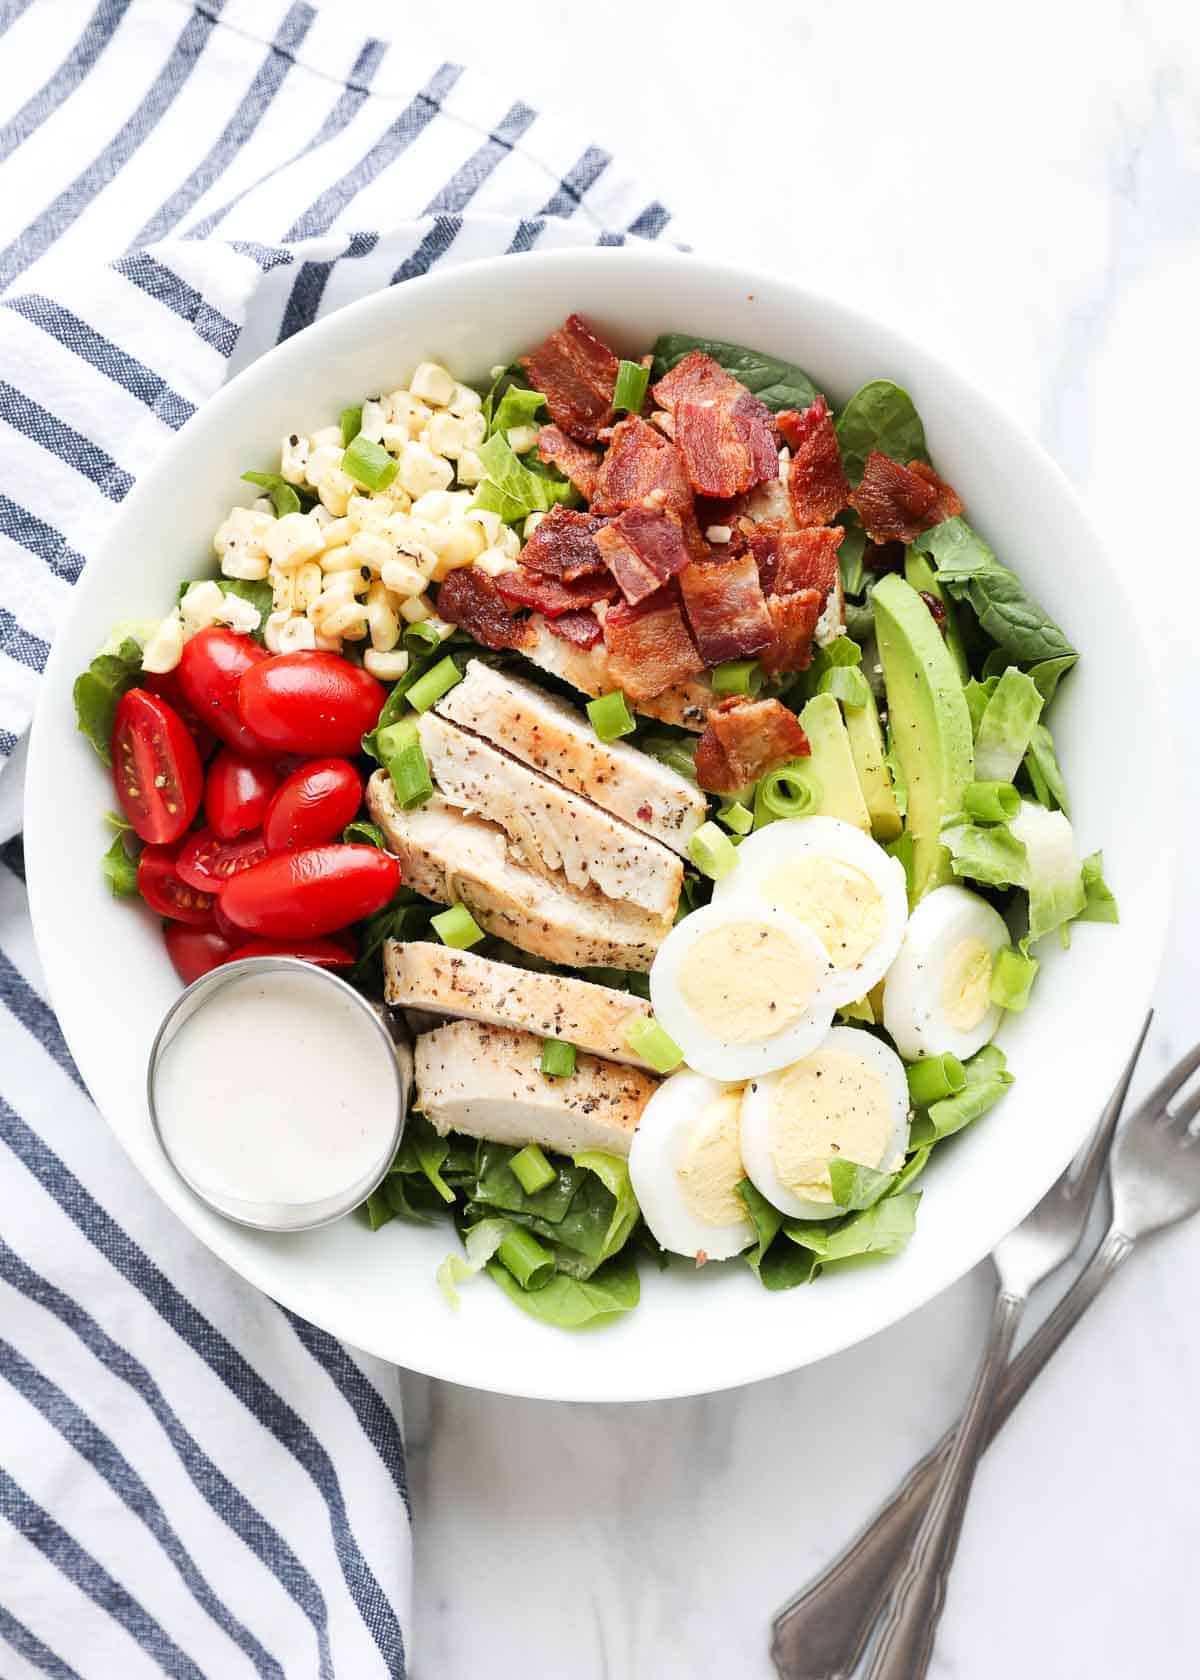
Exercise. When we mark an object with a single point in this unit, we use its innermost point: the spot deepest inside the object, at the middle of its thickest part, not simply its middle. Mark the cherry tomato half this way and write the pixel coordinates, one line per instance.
(237, 793)
(323, 953)
(207, 862)
(167, 893)
(313, 805)
(212, 664)
(309, 702)
(301, 895)
(156, 768)
(195, 950)
(167, 686)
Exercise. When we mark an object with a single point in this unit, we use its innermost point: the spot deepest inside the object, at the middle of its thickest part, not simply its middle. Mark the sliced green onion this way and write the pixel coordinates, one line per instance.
(630, 390)
(934, 1078)
(421, 637)
(1012, 979)
(351, 424)
(644, 1036)
(847, 684)
(523, 1256)
(400, 752)
(369, 463)
(790, 791)
(533, 1170)
(428, 690)
(991, 802)
(558, 1058)
(713, 853)
(737, 676)
(610, 716)
(457, 928)
(736, 817)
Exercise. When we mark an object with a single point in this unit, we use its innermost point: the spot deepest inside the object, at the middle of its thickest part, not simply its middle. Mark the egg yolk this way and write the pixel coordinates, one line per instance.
(841, 904)
(712, 1169)
(829, 1104)
(967, 984)
(746, 981)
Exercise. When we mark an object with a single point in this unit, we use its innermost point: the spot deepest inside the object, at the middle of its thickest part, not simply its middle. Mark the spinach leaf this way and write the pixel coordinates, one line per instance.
(613, 1175)
(767, 1222)
(98, 690)
(431, 1151)
(119, 870)
(777, 383)
(968, 568)
(1048, 673)
(785, 1266)
(569, 1303)
(884, 1228)
(850, 556)
(406, 917)
(498, 1186)
(283, 495)
(879, 416)
(856, 1187)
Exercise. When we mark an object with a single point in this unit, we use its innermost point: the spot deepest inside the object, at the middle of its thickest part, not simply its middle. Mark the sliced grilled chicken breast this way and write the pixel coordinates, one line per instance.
(421, 975)
(548, 828)
(587, 669)
(485, 1081)
(455, 859)
(547, 734)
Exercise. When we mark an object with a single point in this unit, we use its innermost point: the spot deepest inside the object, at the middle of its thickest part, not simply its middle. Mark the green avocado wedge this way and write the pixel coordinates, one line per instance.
(833, 762)
(929, 722)
(866, 746)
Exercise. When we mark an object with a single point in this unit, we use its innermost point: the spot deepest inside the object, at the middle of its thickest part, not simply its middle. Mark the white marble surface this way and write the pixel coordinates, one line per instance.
(1020, 187)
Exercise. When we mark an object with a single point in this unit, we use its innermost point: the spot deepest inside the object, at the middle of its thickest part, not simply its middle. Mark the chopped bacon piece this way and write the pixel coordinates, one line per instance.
(643, 549)
(791, 560)
(575, 462)
(816, 482)
(725, 434)
(649, 648)
(580, 628)
(743, 739)
(699, 377)
(468, 597)
(554, 596)
(563, 545)
(724, 603)
(793, 624)
(576, 372)
(641, 463)
(896, 503)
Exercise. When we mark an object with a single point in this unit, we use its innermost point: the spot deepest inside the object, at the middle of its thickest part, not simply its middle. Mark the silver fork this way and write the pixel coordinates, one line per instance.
(821, 1633)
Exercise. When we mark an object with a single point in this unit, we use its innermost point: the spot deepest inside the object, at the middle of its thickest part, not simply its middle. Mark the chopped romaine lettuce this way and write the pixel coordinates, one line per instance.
(99, 689)
(1006, 726)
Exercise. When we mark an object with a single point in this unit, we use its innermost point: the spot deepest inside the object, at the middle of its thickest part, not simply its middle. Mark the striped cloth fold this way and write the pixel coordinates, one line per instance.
(194, 1482)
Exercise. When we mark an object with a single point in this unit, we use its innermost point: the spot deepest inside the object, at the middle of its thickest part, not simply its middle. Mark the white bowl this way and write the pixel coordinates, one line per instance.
(111, 981)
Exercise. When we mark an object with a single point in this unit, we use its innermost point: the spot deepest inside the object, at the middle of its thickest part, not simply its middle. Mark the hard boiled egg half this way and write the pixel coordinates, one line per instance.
(685, 1164)
(839, 882)
(847, 1100)
(938, 992)
(741, 988)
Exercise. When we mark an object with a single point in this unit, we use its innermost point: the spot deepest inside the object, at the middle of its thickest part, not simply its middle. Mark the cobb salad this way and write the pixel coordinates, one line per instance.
(669, 748)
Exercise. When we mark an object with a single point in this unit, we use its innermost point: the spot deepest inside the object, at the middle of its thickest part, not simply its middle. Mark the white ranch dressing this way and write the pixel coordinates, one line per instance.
(276, 1095)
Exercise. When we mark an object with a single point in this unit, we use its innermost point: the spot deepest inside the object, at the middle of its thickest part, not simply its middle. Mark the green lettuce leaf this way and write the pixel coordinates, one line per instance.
(120, 870)
(968, 568)
(879, 416)
(884, 1228)
(1099, 903)
(534, 492)
(992, 855)
(517, 407)
(777, 383)
(766, 1219)
(1053, 873)
(1048, 673)
(988, 1079)
(99, 689)
(283, 495)
(1041, 766)
(856, 1187)
(569, 1303)
(1006, 726)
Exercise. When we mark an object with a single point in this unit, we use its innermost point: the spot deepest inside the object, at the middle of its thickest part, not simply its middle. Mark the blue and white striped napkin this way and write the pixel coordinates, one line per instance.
(194, 1482)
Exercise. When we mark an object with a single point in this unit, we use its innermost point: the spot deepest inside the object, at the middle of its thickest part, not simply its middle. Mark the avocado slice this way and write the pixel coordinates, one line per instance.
(833, 762)
(922, 577)
(929, 721)
(866, 745)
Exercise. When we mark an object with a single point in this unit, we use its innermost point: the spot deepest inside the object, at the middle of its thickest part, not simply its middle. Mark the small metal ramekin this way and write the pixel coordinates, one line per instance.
(286, 1216)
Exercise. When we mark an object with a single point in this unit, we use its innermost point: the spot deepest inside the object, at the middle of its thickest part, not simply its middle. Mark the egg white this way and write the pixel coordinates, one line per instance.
(763, 854)
(756, 1131)
(667, 1128)
(728, 1059)
(914, 1011)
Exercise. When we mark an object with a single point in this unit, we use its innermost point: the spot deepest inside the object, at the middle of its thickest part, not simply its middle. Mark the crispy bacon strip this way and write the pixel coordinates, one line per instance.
(816, 482)
(649, 648)
(641, 463)
(554, 596)
(698, 377)
(576, 371)
(793, 624)
(743, 739)
(643, 549)
(725, 608)
(791, 560)
(725, 434)
(580, 465)
(563, 545)
(469, 598)
(582, 629)
(897, 503)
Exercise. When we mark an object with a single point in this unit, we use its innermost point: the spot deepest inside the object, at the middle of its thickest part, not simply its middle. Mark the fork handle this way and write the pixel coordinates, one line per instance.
(910, 1622)
(822, 1633)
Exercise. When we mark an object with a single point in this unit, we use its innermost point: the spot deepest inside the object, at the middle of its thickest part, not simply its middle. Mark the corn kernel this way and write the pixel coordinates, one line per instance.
(386, 667)
(335, 531)
(293, 457)
(163, 650)
(283, 590)
(368, 548)
(470, 468)
(200, 605)
(432, 384)
(293, 539)
(531, 524)
(488, 522)
(422, 470)
(434, 504)
(297, 633)
(474, 430)
(402, 577)
(320, 461)
(510, 542)
(416, 609)
(495, 562)
(251, 568)
(446, 435)
(383, 621)
(274, 628)
(335, 491)
(310, 581)
(521, 439)
(347, 618)
(465, 401)
(336, 560)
